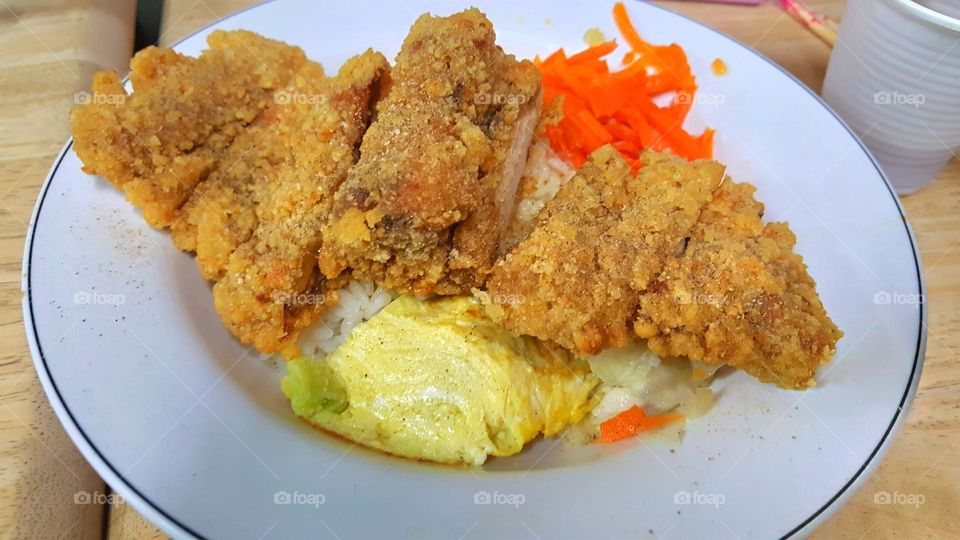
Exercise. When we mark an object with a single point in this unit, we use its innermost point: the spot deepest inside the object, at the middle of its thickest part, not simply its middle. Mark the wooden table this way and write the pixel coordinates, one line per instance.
(49, 48)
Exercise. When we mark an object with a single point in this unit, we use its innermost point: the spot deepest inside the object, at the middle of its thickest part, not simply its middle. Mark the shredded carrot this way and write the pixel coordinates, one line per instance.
(632, 421)
(602, 107)
(593, 53)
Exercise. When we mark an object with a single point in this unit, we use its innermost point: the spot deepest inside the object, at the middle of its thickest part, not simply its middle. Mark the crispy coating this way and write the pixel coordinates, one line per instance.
(272, 289)
(574, 279)
(159, 142)
(424, 208)
(249, 155)
(223, 210)
(740, 296)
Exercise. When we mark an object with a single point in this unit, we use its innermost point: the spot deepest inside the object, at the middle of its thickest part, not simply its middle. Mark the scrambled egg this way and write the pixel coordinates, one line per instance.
(437, 380)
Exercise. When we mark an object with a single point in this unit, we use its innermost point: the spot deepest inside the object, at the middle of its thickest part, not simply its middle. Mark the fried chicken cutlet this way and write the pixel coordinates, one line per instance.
(157, 143)
(224, 210)
(424, 208)
(272, 288)
(740, 296)
(605, 236)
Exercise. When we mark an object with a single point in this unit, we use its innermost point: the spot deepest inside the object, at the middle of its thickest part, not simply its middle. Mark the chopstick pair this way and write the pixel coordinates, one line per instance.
(821, 26)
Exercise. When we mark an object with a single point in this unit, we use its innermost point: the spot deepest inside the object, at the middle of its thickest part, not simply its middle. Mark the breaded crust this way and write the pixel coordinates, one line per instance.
(224, 210)
(740, 296)
(424, 207)
(575, 279)
(157, 143)
(271, 289)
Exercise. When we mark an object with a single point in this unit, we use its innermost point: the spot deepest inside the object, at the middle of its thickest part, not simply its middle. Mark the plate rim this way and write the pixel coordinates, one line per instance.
(170, 525)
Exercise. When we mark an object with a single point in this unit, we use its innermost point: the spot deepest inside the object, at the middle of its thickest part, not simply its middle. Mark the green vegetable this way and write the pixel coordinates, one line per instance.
(313, 386)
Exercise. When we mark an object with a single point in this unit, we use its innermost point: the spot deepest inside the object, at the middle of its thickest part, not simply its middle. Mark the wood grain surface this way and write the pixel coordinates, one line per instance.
(49, 49)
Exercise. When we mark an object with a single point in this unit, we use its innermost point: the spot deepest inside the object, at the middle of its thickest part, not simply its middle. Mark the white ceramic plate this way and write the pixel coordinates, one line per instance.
(195, 434)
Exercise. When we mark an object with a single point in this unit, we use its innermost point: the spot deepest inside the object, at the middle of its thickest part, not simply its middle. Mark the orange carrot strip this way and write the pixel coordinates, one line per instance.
(559, 56)
(634, 118)
(593, 53)
(633, 76)
(674, 57)
(624, 133)
(606, 99)
(658, 83)
(632, 421)
(616, 108)
(706, 143)
(645, 50)
(592, 135)
(627, 147)
(681, 104)
(595, 127)
(635, 164)
(682, 143)
(588, 74)
(563, 145)
(571, 81)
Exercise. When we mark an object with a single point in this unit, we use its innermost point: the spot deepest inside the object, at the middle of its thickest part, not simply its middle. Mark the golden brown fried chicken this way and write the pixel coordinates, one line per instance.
(223, 210)
(159, 142)
(272, 289)
(424, 208)
(738, 295)
(221, 213)
(574, 280)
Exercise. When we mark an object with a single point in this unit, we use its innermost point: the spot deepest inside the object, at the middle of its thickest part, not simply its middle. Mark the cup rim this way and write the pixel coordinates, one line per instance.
(928, 14)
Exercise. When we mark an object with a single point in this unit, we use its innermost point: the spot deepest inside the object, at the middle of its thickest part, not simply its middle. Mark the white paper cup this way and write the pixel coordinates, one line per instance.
(894, 76)
(947, 7)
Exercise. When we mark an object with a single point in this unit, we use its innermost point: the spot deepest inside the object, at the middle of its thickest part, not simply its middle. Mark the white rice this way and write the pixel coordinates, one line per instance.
(543, 176)
(359, 302)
